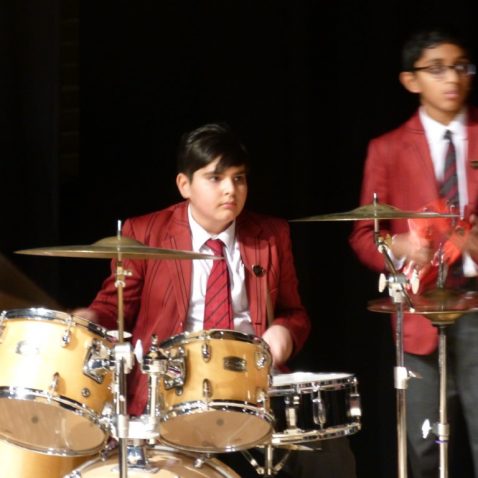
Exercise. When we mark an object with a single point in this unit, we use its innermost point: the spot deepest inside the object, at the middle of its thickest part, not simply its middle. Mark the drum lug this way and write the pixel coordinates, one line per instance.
(206, 388)
(206, 352)
(262, 359)
(53, 384)
(355, 406)
(66, 337)
(261, 397)
(292, 404)
(319, 412)
(175, 375)
(97, 361)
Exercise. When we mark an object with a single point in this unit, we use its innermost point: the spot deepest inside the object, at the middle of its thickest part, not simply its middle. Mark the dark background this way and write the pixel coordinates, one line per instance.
(94, 98)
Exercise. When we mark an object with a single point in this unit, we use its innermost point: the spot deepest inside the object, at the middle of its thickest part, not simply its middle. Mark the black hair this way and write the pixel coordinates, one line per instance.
(419, 41)
(205, 144)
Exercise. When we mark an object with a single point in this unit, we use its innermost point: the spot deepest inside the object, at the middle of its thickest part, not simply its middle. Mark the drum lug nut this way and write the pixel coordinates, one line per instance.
(206, 388)
(85, 392)
(206, 352)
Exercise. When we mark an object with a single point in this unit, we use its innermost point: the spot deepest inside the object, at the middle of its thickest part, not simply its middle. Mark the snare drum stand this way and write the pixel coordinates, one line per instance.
(396, 283)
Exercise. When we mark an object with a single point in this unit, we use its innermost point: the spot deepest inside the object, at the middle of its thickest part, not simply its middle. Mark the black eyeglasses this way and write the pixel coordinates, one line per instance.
(439, 71)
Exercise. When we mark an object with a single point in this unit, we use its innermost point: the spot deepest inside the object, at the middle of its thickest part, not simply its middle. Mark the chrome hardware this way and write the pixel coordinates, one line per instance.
(97, 361)
(53, 384)
(206, 352)
(206, 388)
(292, 404)
(261, 359)
(2, 325)
(66, 337)
(85, 392)
(175, 374)
(319, 412)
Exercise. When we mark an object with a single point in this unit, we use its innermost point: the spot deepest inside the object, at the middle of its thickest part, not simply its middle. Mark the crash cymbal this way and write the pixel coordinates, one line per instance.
(375, 211)
(113, 248)
(440, 305)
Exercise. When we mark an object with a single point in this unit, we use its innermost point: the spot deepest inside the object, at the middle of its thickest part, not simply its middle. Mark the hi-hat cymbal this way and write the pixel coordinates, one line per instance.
(114, 248)
(375, 211)
(440, 305)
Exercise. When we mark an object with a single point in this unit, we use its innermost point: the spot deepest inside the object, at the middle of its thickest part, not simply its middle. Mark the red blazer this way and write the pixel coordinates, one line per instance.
(156, 296)
(400, 170)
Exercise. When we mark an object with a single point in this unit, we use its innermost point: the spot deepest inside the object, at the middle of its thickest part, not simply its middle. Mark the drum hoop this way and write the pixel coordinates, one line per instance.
(197, 406)
(314, 435)
(41, 313)
(323, 382)
(214, 334)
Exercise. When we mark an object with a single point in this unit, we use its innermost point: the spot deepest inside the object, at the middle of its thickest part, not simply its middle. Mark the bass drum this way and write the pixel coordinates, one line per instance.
(164, 462)
(17, 462)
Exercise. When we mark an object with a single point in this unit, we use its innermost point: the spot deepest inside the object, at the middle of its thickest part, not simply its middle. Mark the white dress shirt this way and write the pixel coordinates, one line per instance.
(200, 273)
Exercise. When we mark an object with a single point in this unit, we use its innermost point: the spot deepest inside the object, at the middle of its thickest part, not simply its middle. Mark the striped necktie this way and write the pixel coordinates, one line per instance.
(218, 306)
(449, 191)
(449, 185)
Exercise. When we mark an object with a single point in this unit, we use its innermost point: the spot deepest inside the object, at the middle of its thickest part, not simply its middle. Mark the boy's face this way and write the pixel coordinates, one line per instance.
(442, 95)
(216, 199)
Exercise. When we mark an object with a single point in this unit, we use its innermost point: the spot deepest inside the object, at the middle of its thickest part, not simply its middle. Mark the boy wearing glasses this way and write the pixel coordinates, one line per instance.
(431, 159)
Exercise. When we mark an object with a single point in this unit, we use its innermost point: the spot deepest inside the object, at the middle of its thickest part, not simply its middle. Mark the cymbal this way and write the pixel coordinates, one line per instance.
(440, 305)
(114, 248)
(375, 211)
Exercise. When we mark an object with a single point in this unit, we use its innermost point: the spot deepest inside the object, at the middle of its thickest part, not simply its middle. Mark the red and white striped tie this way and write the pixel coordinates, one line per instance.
(218, 306)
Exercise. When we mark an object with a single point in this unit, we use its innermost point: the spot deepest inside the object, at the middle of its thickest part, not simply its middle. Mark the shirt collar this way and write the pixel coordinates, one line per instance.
(200, 235)
(436, 131)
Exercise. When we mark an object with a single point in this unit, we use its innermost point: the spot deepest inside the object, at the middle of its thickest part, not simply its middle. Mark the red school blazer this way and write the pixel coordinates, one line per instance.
(399, 169)
(156, 295)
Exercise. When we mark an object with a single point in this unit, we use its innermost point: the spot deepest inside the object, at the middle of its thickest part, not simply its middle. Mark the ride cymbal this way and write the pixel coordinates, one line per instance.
(114, 248)
(375, 211)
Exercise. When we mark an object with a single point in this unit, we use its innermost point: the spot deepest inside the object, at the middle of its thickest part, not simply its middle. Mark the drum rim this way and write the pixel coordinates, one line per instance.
(315, 435)
(36, 395)
(328, 380)
(214, 334)
(43, 313)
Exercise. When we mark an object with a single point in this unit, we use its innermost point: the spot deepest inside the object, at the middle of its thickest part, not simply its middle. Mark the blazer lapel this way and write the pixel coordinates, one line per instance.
(180, 271)
(256, 258)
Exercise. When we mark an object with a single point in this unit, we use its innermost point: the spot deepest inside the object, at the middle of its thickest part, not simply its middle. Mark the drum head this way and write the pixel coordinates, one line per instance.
(47, 427)
(216, 430)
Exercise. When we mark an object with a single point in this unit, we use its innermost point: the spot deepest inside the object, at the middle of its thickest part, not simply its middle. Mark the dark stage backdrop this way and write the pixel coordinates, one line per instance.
(93, 101)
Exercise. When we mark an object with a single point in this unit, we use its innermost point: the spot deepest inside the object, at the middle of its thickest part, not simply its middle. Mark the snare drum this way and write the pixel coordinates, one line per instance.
(214, 396)
(162, 463)
(54, 382)
(313, 406)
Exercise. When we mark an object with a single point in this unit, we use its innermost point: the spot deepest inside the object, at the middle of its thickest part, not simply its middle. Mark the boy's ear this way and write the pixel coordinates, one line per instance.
(409, 80)
(183, 184)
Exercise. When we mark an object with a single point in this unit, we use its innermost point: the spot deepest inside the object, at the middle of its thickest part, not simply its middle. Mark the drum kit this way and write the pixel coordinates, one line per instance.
(209, 392)
(63, 393)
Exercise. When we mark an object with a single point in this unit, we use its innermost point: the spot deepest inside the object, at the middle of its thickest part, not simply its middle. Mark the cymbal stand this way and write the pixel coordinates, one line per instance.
(123, 359)
(396, 285)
